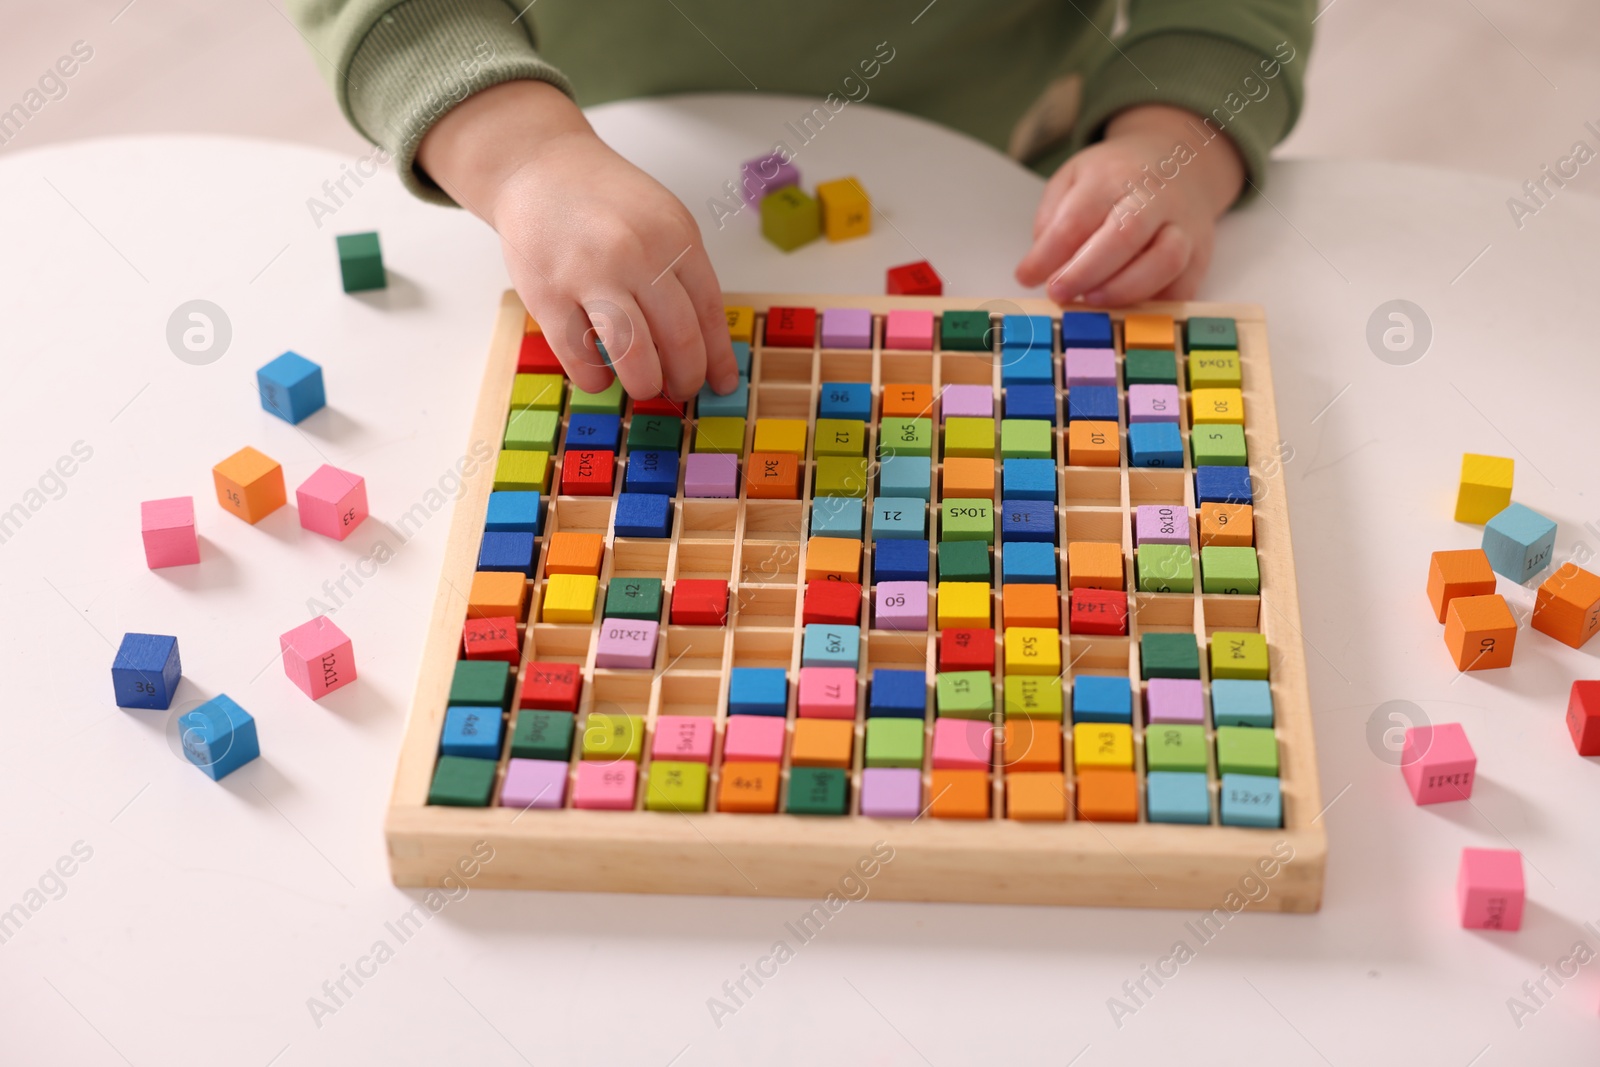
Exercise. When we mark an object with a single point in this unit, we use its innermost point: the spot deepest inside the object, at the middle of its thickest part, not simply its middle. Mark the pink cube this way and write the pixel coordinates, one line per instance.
(962, 744)
(967, 402)
(534, 783)
(332, 502)
(1161, 524)
(908, 331)
(900, 606)
(1438, 763)
(605, 786)
(627, 644)
(828, 692)
(1174, 700)
(1153, 403)
(318, 657)
(1090, 366)
(687, 738)
(754, 739)
(169, 537)
(1489, 889)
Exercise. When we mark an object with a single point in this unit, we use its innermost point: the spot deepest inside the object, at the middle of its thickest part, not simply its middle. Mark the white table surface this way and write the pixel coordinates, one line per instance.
(208, 915)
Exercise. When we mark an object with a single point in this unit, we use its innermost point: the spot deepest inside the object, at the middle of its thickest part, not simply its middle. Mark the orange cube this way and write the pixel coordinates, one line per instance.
(1032, 745)
(960, 794)
(574, 553)
(249, 484)
(1461, 573)
(907, 401)
(1091, 443)
(1568, 606)
(1480, 632)
(1037, 796)
(969, 477)
(751, 788)
(497, 594)
(1030, 604)
(833, 559)
(1227, 525)
(1148, 331)
(772, 476)
(1094, 565)
(822, 743)
(1108, 794)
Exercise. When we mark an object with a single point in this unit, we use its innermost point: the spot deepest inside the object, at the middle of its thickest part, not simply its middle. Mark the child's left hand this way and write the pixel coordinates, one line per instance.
(1096, 241)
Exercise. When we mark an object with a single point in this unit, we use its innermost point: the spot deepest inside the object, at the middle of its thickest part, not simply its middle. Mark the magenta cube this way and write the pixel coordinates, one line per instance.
(846, 328)
(711, 474)
(332, 502)
(962, 744)
(758, 177)
(1489, 890)
(1153, 403)
(1161, 524)
(827, 692)
(168, 530)
(909, 331)
(754, 739)
(534, 783)
(1090, 366)
(1438, 763)
(684, 738)
(891, 792)
(318, 657)
(1174, 700)
(627, 643)
(967, 402)
(606, 786)
(900, 606)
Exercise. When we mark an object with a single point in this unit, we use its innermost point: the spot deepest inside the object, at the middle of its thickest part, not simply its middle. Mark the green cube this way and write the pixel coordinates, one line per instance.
(819, 791)
(542, 735)
(1215, 370)
(638, 599)
(1218, 444)
(967, 519)
(1201, 332)
(462, 782)
(964, 561)
(480, 683)
(1229, 569)
(965, 331)
(1026, 439)
(536, 430)
(894, 742)
(361, 262)
(1247, 750)
(541, 392)
(1032, 696)
(969, 437)
(1238, 655)
(1164, 569)
(840, 437)
(790, 218)
(1150, 366)
(611, 736)
(964, 694)
(1169, 656)
(660, 432)
(1175, 748)
(720, 433)
(607, 401)
(841, 476)
(905, 437)
(676, 786)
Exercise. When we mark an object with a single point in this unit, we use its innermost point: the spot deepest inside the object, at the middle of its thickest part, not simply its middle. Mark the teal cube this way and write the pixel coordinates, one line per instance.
(1177, 797)
(827, 644)
(837, 516)
(899, 518)
(1251, 800)
(1241, 702)
(361, 262)
(905, 476)
(1519, 542)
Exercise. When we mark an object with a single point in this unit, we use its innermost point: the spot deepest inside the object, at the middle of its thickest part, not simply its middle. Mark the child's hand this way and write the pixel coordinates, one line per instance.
(1094, 239)
(588, 238)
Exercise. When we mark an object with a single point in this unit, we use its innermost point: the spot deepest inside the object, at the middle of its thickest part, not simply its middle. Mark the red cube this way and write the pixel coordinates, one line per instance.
(914, 279)
(588, 472)
(699, 602)
(1583, 717)
(791, 327)
(660, 405)
(494, 638)
(966, 650)
(1097, 611)
(551, 686)
(832, 602)
(537, 357)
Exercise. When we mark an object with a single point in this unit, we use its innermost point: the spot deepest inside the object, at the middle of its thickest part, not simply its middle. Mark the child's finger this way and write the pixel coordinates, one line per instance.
(699, 280)
(1162, 261)
(1077, 218)
(621, 325)
(677, 335)
(1056, 188)
(583, 365)
(1108, 250)
(1187, 284)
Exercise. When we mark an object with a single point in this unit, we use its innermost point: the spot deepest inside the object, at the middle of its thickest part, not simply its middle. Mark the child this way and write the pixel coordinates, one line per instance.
(1164, 126)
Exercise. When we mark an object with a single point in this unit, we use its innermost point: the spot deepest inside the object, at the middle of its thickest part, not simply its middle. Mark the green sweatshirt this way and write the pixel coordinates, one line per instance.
(1035, 78)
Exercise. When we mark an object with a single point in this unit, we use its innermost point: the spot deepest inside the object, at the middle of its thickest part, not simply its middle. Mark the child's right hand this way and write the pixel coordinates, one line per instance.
(589, 239)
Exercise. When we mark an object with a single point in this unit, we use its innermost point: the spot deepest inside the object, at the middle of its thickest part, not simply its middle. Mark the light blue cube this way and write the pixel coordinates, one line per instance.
(837, 516)
(1155, 444)
(1028, 479)
(513, 512)
(1101, 698)
(1028, 563)
(741, 356)
(905, 476)
(1031, 367)
(1177, 796)
(828, 644)
(1241, 702)
(471, 732)
(219, 737)
(899, 518)
(845, 400)
(758, 691)
(291, 387)
(1025, 333)
(736, 404)
(1251, 800)
(1519, 542)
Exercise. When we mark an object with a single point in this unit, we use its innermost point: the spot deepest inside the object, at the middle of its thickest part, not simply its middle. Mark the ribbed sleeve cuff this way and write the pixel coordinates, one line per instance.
(423, 57)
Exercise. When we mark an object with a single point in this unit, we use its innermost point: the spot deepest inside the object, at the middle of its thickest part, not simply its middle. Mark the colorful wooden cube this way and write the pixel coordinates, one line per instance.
(520, 470)
(828, 644)
(905, 477)
(966, 649)
(291, 387)
(1583, 717)
(1169, 655)
(913, 279)
(964, 561)
(1227, 524)
(1102, 745)
(1490, 893)
(827, 693)
(318, 657)
(818, 791)
(676, 785)
(534, 431)
(791, 327)
(551, 686)
(1177, 797)
(494, 594)
(758, 691)
(462, 782)
(1029, 561)
(711, 475)
(1219, 445)
(699, 602)
(1238, 702)
(847, 328)
(972, 437)
(688, 738)
(830, 601)
(633, 598)
(1031, 402)
(1093, 443)
(1480, 632)
(891, 793)
(845, 400)
(899, 694)
(1215, 370)
(909, 331)
(963, 605)
(1485, 489)
(735, 404)
(219, 737)
(1087, 329)
(1438, 763)
(772, 476)
(1177, 747)
(1567, 606)
(1519, 542)
(471, 732)
(836, 437)
(790, 218)
(361, 262)
(1150, 366)
(1239, 655)
(761, 176)
(894, 742)
(822, 743)
(571, 552)
(1229, 570)
(1030, 605)
(901, 606)
(959, 793)
(167, 529)
(1463, 572)
(1247, 750)
(1254, 800)
(835, 559)
(837, 516)
(1033, 650)
(587, 472)
(1102, 698)
(846, 211)
(145, 671)
(1203, 333)
(966, 331)
(609, 785)
(627, 644)
(651, 471)
(569, 598)
(491, 639)
(534, 783)
(1097, 611)
(1222, 485)
(1095, 565)
(1180, 702)
(506, 552)
(249, 485)
(332, 502)
(968, 477)
(1148, 331)
(480, 683)
(1033, 698)
(967, 519)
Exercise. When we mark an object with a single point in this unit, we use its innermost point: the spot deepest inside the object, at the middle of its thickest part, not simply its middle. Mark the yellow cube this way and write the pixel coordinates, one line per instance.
(1102, 744)
(846, 211)
(1033, 697)
(963, 605)
(540, 392)
(1485, 488)
(741, 323)
(610, 736)
(570, 598)
(787, 436)
(720, 433)
(1033, 650)
(1216, 405)
(522, 469)
(1214, 369)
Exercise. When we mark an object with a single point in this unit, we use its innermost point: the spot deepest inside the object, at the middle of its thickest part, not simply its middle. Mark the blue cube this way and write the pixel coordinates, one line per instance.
(1241, 702)
(1026, 333)
(897, 694)
(1027, 520)
(1031, 402)
(291, 387)
(1177, 796)
(837, 516)
(1222, 485)
(643, 515)
(1251, 800)
(1155, 444)
(1098, 402)
(1085, 329)
(895, 560)
(1519, 542)
(513, 512)
(651, 471)
(845, 400)
(736, 404)
(902, 518)
(1032, 366)
(594, 431)
(1028, 563)
(741, 356)
(471, 732)
(1028, 479)
(830, 644)
(1102, 698)
(758, 691)
(508, 550)
(219, 737)
(905, 476)
(146, 670)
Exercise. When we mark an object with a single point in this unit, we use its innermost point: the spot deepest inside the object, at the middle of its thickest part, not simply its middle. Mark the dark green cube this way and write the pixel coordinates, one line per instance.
(965, 331)
(638, 599)
(964, 561)
(1150, 366)
(542, 735)
(818, 791)
(361, 262)
(661, 432)
(1204, 334)
(480, 683)
(462, 782)
(1169, 656)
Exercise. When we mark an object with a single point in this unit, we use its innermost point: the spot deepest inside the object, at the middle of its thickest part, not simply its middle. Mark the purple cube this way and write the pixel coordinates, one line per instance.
(846, 328)
(1091, 366)
(758, 177)
(901, 606)
(1161, 524)
(967, 402)
(1174, 700)
(534, 783)
(891, 792)
(627, 643)
(1153, 403)
(711, 474)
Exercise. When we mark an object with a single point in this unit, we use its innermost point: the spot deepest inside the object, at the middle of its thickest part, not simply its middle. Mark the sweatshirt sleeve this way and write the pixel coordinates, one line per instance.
(396, 66)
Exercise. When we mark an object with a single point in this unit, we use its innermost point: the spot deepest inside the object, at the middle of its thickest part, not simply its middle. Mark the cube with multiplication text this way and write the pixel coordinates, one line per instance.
(1490, 893)
(318, 657)
(1438, 763)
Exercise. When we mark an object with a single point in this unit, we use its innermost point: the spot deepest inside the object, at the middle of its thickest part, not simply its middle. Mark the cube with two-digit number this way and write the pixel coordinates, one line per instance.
(249, 484)
(332, 502)
(146, 670)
